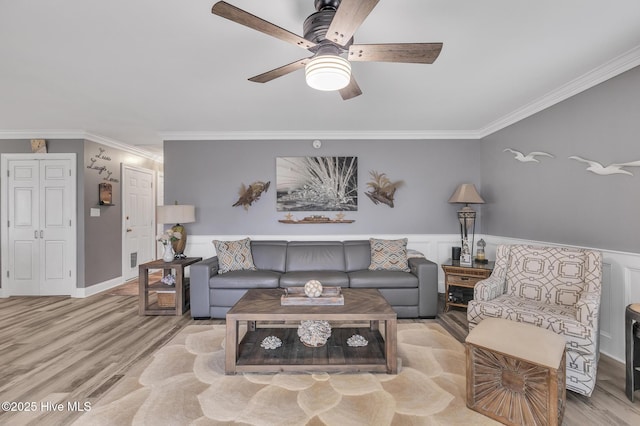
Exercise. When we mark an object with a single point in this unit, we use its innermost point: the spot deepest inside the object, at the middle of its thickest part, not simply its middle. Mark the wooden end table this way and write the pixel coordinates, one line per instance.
(180, 288)
(464, 277)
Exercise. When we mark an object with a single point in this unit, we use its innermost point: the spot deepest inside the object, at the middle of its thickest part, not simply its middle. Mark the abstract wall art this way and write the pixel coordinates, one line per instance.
(317, 183)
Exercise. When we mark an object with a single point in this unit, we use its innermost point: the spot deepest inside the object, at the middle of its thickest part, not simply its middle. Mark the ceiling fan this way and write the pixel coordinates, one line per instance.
(328, 34)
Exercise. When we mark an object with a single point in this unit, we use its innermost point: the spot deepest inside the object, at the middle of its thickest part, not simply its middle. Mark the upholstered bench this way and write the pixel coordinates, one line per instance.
(516, 372)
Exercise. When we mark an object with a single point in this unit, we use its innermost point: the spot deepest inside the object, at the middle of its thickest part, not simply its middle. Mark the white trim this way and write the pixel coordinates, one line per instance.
(79, 134)
(604, 72)
(321, 134)
(4, 214)
(98, 288)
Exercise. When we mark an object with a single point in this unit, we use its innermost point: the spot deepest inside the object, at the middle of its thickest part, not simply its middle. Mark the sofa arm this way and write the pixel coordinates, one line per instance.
(427, 273)
(488, 289)
(200, 273)
(587, 308)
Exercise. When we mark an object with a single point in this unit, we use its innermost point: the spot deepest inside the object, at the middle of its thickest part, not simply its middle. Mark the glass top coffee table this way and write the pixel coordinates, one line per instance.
(362, 312)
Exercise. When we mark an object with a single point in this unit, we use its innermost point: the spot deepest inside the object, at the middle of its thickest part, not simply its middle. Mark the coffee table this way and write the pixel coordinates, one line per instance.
(364, 307)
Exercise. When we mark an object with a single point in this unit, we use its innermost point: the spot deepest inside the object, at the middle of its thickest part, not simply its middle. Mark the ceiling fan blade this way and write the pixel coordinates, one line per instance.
(417, 53)
(279, 72)
(348, 18)
(351, 91)
(239, 16)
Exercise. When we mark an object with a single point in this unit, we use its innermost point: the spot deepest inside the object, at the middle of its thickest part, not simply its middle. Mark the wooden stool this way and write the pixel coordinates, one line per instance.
(632, 345)
(516, 372)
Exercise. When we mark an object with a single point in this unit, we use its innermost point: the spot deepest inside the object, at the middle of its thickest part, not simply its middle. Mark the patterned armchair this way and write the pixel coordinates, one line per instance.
(552, 287)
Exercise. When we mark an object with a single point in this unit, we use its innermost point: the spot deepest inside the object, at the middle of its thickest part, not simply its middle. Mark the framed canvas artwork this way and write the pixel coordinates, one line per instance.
(317, 183)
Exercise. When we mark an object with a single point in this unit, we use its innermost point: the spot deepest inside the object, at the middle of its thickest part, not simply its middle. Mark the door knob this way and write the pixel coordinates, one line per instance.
(129, 230)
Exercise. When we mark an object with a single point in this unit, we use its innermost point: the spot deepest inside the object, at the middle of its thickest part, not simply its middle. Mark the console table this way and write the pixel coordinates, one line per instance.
(180, 288)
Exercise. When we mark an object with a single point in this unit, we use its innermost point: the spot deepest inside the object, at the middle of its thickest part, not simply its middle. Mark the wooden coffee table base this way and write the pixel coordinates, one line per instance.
(380, 355)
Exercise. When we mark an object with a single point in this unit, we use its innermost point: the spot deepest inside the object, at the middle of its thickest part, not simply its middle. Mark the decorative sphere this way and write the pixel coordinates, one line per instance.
(313, 288)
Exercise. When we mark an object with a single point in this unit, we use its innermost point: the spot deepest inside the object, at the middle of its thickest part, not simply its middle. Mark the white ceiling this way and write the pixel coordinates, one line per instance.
(143, 70)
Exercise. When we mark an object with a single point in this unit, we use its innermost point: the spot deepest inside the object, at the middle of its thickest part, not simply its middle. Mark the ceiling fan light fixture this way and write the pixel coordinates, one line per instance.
(328, 72)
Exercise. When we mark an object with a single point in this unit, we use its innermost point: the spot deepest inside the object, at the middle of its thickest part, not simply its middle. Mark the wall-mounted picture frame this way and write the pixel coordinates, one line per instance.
(105, 192)
(317, 183)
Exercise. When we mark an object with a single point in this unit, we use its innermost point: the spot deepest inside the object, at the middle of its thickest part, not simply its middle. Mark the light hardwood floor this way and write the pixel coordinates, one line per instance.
(58, 350)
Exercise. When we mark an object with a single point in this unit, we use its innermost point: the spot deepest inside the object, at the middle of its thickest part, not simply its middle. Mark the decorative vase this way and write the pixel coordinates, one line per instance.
(168, 254)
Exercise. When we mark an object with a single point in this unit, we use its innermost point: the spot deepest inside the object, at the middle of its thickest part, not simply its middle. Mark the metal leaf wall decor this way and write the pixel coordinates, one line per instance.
(382, 190)
(251, 193)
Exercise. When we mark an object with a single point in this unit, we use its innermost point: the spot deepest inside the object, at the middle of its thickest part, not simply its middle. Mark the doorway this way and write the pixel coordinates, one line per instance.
(138, 209)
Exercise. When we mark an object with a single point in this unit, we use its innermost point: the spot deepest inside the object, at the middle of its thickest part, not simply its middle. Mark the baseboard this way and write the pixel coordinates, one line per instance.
(98, 288)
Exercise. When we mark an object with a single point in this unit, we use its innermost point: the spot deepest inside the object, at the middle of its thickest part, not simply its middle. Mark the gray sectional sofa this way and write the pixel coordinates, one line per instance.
(282, 264)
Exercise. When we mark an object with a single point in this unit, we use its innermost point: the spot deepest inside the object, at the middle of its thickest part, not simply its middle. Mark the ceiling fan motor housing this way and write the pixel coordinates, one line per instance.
(316, 26)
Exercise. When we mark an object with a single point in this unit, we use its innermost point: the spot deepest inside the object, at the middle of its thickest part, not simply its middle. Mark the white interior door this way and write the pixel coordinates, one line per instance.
(23, 276)
(40, 209)
(139, 219)
(56, 266)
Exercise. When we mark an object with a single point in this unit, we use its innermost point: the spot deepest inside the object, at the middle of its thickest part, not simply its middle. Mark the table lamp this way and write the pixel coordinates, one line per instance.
(177, 214)
(466, 194)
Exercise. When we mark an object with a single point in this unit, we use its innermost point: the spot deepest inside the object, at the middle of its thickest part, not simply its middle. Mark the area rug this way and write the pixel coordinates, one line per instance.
(184, 383)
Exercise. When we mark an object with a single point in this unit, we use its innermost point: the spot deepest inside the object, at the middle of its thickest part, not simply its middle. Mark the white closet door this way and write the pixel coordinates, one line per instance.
(41, 233)
(55, 222)
(24, 227)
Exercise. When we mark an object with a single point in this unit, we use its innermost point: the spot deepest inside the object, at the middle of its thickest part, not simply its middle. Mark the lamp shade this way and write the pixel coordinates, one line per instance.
(177, 213)
(328, 72)
(466, 193)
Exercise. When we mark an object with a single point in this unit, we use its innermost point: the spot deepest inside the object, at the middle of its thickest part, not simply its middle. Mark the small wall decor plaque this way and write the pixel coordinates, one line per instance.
(38, 146)
(105, 193)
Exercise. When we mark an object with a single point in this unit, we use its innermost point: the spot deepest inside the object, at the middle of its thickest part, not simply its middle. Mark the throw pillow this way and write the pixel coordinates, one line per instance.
(234, 255)
(389, 255)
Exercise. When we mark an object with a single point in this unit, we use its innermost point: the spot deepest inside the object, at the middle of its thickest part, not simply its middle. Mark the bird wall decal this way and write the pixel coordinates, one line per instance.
(530, 157)
(611, 169)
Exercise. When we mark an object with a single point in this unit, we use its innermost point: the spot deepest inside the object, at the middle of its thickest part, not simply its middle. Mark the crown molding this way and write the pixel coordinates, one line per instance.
(78, 134)
(321, 134)
(628, 60)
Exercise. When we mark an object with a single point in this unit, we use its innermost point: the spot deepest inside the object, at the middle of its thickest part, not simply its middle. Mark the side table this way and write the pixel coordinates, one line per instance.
(180, 288)
(460, 279)
(632, 349)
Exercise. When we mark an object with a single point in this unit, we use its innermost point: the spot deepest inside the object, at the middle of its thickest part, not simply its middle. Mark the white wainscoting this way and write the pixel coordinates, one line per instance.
(621, 271)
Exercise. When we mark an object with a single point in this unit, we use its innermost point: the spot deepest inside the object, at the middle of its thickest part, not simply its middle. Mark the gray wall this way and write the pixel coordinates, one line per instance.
(103, 234)
(209, 174)
(558, 200)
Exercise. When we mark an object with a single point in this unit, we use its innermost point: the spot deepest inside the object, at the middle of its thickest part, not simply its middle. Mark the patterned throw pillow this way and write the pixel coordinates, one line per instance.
(234, 255)
(389, 255)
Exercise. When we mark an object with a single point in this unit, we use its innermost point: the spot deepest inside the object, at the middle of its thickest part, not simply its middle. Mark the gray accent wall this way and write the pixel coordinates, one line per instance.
(558, 200)
(209, 175)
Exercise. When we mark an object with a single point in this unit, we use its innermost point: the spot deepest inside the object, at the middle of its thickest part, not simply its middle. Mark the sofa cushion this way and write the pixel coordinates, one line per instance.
(245, 279)
(269, 255)
(389, 255)
(382, 279)
(315, 256)
(357, 255)
(553, 275)
(326, 278)
(234, 255)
